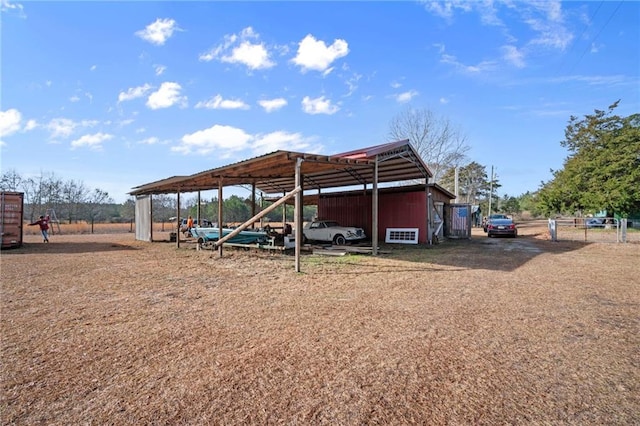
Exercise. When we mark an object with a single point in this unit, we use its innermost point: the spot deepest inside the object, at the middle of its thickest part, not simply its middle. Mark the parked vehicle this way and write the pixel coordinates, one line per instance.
(204, 223)
(491, 217)
(506, 227)
(594, 222)
(330, 230)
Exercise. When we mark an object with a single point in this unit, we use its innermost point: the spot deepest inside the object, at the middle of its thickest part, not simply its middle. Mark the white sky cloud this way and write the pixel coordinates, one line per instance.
(239, 49)
(166, 96)
(31, 124)
(150, 141)
(91, 141)
(61, 127)
(316, 55)
(9, 6)
(215, 138)
(271, 105)
(9, 122)
(64, 127)
(513, 56)
(159, 31)
(278, 140)
(406, 96)
(319, 105)
(159, 69)
(134, 92)
(483, 66)
(217, 102)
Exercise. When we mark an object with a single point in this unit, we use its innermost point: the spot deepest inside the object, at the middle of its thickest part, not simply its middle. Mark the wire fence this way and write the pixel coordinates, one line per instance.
(594, 230)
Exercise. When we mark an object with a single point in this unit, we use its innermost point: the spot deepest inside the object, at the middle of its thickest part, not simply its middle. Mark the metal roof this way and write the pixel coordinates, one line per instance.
(275, 172)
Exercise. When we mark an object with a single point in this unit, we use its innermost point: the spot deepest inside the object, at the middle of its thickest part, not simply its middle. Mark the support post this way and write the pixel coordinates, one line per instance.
(298, 213)
(374, 210)
(220, 215)
(253, 202)
(179, 220)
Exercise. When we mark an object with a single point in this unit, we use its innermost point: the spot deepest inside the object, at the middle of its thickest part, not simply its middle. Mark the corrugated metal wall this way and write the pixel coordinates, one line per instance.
(395, 210)
(11, 222)
(144, 229)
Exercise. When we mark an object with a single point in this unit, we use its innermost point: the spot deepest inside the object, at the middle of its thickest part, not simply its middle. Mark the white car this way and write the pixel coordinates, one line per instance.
(330, 230)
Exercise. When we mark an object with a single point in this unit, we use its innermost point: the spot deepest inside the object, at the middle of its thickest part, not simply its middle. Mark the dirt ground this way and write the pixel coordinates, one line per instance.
(103, 329)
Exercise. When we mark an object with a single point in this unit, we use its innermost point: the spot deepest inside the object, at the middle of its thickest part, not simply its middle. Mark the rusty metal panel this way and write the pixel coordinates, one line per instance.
(11, 222)
(395, 210)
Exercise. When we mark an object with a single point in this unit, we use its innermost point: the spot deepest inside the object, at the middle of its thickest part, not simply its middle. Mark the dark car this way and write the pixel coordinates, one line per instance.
(506, 227)
(493, 216)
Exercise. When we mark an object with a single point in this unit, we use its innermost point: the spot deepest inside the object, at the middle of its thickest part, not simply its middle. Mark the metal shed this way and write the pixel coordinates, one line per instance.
(292, 173)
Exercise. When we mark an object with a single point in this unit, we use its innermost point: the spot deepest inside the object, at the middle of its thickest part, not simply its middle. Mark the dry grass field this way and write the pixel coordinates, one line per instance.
(103, 329)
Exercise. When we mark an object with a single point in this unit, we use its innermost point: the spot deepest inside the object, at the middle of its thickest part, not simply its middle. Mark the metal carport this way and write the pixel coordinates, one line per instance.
(291, 173)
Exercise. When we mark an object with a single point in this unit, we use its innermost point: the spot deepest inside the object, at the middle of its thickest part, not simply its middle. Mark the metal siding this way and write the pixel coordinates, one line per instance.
(396, 210)
(11, 222)
(144, 227)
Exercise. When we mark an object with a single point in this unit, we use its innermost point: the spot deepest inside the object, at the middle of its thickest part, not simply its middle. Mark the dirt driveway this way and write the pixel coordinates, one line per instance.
(102, 329)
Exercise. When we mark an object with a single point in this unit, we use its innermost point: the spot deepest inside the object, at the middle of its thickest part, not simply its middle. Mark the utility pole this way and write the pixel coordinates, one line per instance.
(490, 191)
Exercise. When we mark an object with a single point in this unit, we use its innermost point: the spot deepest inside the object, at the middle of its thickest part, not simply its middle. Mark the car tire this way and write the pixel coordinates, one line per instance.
(339, 240)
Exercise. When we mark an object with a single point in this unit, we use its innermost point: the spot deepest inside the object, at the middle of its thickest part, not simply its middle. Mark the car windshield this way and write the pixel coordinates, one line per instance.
(330, 224)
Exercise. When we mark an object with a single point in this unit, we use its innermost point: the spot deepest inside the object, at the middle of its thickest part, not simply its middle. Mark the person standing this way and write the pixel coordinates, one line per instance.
(43, 222)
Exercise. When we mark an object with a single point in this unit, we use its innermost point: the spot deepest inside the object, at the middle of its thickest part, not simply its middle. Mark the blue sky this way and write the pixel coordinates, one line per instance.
(119, 94)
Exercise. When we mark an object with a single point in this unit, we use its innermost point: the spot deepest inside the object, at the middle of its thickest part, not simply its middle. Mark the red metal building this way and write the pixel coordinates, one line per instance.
(398, 207)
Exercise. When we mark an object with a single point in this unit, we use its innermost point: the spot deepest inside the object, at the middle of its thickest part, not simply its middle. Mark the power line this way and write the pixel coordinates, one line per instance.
(584, 29)
(596, 37)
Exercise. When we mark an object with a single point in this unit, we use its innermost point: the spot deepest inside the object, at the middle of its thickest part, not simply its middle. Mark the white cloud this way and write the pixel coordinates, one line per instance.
(271, 105)
(316, 55)
(93, 68)
(64, 127)
(134, 92)
(166, 96)
(7, 6)
(545, 19)
(279, 140)
(444, 100)
(405, 96)
(92, 141)
(481, 67)
(31, 124)
(396, 85)
(159, 31)
(446, 9)
(239, 49)
(160, 69)
(254, 56)
(150, 141)
(513, 56)
(319, 106)
(9, 122)
(74, 98)
(218, 103)
(215, 138)
(61, 127)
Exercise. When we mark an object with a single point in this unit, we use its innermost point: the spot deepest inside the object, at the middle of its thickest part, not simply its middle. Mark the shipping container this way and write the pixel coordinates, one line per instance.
(12, 209)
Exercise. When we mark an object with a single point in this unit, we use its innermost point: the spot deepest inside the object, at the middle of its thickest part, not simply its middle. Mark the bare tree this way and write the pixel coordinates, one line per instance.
(11, 181)
(439, 143)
